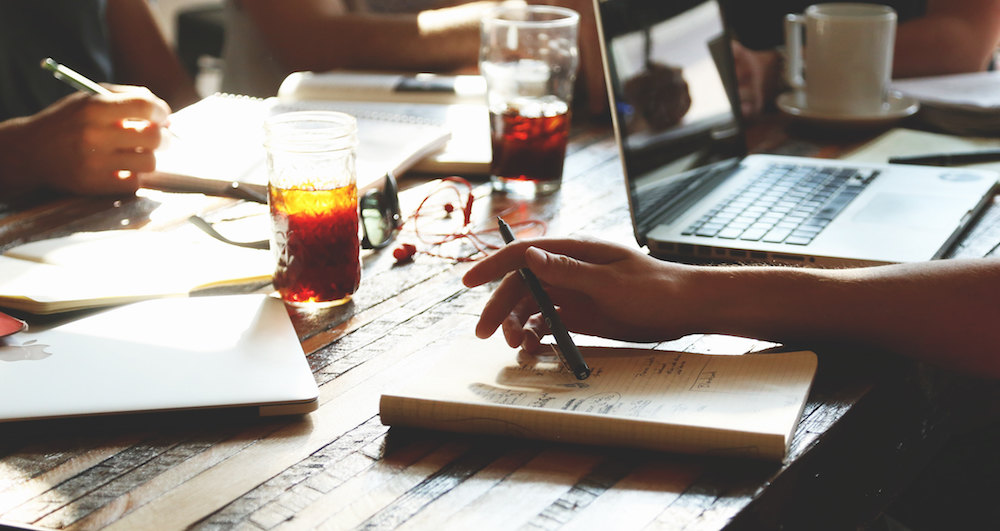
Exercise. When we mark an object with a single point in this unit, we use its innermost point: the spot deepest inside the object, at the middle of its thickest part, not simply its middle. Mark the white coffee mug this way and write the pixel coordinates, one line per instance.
(848, 57)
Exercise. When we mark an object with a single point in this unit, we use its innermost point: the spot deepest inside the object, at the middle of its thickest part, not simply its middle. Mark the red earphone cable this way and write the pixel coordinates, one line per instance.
(474, 237)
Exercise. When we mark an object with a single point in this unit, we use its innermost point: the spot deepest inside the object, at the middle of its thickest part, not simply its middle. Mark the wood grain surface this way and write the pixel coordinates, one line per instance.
(340, 468)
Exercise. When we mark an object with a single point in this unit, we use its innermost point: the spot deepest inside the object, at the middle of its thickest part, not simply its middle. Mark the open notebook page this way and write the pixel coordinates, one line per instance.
(972, 91)
(221, 140)
(461, 109)
(712, 404)
(94, 269)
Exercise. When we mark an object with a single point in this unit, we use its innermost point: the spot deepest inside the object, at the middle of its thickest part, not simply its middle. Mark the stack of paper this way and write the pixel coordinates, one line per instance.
(967, 104)
(457, 103)
(221, 140)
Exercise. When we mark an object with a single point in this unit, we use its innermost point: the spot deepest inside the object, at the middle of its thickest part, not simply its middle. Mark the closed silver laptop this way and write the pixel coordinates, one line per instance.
(235, 351)
(695, 195)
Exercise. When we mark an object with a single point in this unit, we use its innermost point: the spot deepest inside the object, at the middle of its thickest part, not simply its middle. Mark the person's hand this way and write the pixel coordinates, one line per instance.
(600, 289)
(92, 144)
(757, 77)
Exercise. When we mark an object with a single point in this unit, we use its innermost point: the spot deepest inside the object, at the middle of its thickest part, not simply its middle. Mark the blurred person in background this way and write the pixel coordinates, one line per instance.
(267, 40)
(56, 138)
(934, 37)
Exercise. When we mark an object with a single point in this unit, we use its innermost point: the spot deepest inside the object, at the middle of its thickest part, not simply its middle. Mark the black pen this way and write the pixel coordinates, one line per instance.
(566, 350)
(950, 159)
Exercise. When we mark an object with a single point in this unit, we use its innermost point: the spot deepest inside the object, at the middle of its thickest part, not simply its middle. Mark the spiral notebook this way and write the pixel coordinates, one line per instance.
(220, 140)
(94, 269)
(457, 102)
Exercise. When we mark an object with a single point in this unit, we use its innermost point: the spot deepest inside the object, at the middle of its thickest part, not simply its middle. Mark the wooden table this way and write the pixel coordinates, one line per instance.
(869, 423)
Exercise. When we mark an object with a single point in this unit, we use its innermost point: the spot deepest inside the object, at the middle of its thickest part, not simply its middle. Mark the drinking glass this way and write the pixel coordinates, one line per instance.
(529, 58)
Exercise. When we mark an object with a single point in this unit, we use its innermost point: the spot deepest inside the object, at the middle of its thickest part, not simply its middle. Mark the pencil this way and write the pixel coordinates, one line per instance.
(72, 77)
(79, 81)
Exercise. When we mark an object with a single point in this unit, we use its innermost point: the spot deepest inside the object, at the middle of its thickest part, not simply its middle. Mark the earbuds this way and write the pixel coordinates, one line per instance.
(404, 253)
(463, 200)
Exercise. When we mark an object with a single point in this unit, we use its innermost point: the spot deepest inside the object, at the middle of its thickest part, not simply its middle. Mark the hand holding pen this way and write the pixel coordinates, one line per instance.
(566, 349)
(92, 146)
(79, 81)
(602, 289)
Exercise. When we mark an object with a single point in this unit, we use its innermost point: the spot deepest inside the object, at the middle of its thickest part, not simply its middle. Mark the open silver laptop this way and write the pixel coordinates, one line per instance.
(694, 194)
(159, 355)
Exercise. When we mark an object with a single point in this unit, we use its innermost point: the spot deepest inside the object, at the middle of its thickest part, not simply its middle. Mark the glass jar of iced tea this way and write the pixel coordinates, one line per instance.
(313, 198)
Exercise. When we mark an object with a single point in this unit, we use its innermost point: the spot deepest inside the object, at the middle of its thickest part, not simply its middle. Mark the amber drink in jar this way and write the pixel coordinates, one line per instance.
(313, 199)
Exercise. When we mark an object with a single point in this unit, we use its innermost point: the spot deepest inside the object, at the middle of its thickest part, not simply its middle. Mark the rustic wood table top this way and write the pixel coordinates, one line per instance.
(868, 424)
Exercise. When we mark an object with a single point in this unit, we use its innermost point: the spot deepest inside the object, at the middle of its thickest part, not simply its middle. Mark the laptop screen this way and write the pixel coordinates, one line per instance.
(675, 102)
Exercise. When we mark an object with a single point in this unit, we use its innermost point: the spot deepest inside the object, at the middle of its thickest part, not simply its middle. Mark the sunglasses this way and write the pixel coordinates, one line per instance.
(380, 218)
(380, 215)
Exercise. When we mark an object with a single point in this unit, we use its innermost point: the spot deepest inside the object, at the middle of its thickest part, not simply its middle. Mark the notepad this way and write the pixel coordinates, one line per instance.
(747, 405)
(971, 91)
(963, 104)
(221, 140)
(10, 325)
(457, 103)
(353, 85)
(900, 142)
(95, 269)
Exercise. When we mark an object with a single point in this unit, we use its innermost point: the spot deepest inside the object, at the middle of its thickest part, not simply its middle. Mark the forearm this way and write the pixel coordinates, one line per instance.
(142, 55)
(953, 37)
(951, 51)
(15, 176)
(313, 37)
(943, 312)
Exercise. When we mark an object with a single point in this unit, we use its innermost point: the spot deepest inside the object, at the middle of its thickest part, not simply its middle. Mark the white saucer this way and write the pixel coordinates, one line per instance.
(897, 108)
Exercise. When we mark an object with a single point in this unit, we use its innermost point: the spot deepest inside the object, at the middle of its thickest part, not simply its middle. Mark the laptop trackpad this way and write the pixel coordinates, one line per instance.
(908, 210)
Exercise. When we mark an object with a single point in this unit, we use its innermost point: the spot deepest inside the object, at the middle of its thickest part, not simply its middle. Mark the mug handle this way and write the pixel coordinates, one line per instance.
(794, 26)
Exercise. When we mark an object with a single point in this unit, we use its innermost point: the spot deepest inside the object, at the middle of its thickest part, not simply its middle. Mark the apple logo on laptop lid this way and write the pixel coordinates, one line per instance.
(29, 351)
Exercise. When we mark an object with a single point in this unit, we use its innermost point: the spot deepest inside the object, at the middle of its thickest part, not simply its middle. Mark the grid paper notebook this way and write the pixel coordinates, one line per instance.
(746, 405)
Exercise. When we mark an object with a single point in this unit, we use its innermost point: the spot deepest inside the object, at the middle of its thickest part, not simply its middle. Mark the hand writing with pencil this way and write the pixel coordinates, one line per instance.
(93, 141)
(88, 144)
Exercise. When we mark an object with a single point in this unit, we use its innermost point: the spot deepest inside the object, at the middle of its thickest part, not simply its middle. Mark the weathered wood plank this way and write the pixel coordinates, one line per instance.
(319, 473)
(80, 488)
(356, 393)
(364, 495)
(147, 482)
(26, 489)
(438, 513)
(583, 493)
(523, 494)
(653, 484)
(446, 487)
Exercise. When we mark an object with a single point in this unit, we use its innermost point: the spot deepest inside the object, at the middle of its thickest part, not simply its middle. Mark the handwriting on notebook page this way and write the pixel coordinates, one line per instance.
(659, 386)
(699, 403)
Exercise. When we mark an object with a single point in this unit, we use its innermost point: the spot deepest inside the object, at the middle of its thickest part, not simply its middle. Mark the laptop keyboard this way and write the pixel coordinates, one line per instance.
(787, 204)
